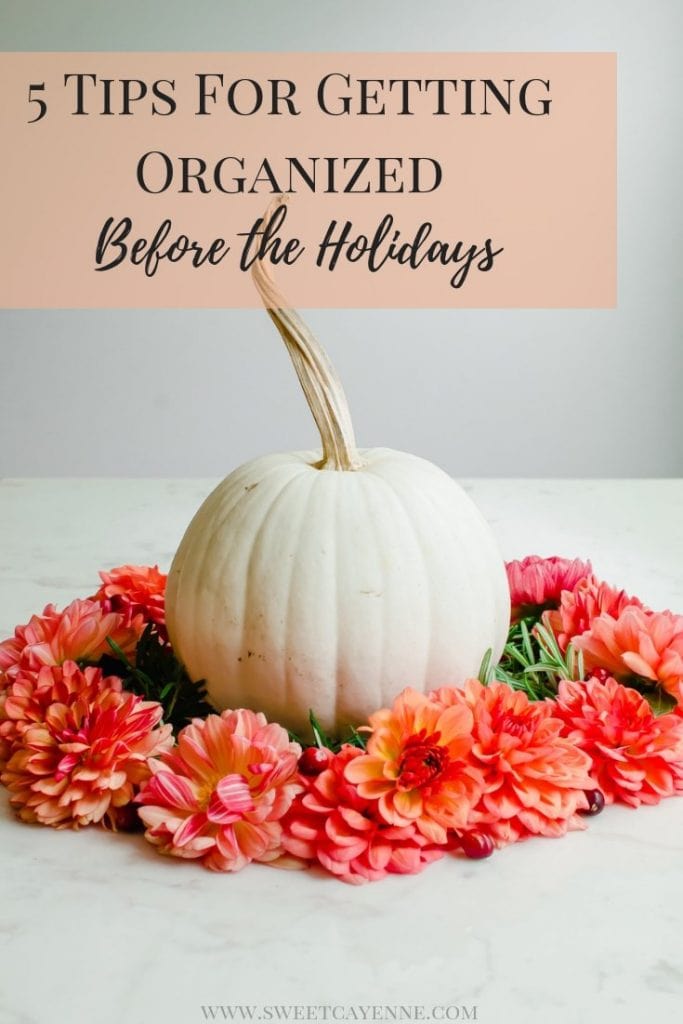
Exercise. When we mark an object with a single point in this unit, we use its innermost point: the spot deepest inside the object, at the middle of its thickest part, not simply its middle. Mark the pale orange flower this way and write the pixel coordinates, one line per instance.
(26, 699)
(79, 633)
(135, 589)
(637, 757)
(533, 777)
(640, 643)
(418, 765)
(85, 758)
(580, 606)
(219, 796)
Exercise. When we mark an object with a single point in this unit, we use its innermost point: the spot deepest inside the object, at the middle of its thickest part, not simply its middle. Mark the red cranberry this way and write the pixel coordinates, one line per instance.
(596, 802)
(314, 760)
(476, 845)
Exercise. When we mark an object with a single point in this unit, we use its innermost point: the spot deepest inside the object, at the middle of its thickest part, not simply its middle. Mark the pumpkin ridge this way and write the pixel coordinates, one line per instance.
(335, 562)
(227, 508)
(187, 571)
(253, 551)
(462, 548)
(400, 501)
(290, 590)
(378, 701)
(489, 595)
(205, 564)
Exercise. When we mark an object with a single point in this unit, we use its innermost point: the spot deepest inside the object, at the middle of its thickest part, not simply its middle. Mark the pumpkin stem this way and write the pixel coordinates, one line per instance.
(317, 376)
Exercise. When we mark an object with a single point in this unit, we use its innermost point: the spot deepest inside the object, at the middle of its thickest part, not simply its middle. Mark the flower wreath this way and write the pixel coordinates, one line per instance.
(100, 725)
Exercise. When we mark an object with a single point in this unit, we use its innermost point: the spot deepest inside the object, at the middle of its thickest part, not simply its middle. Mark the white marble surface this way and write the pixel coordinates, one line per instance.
(99, 928)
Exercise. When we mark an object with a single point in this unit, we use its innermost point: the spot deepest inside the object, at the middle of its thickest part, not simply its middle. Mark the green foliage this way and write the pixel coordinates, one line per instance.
(533, 662)
(357, 739)
(319, 735)
(485, 674)
(659, 700)
(321, 738)
(158, 675)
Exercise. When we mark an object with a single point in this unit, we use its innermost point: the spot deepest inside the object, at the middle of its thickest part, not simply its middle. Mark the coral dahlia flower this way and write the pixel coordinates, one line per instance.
(537, 583)
(85, 758)
(637, 757)
(26, 699)
(331, 824)
(220, 795)
(638, 642)
(418, 765)
(580, 606)
(533, 777)
(79, 633)
(135, 589)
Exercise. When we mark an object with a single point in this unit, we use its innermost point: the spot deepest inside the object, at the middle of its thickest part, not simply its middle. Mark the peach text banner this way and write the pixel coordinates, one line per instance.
(135, 179)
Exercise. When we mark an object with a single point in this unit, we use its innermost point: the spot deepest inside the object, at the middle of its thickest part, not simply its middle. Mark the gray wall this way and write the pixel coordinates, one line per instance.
(484, 393)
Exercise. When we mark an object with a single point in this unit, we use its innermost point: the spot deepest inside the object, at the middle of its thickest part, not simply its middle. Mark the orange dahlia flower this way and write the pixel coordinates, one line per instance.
(537, 583)
(219, 796)
(418, 765)
(331, 824)
(637, 642)
(533, 777)
(26, 699)
(85, 758)
(79, 633)
(637, 757)
(135, 590)
(580, 606)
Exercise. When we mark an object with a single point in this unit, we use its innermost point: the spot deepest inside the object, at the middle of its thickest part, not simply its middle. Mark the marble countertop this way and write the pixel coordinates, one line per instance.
(100, 928)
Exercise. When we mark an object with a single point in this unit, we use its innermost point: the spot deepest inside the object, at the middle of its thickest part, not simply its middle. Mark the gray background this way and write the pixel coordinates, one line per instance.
(483, 393)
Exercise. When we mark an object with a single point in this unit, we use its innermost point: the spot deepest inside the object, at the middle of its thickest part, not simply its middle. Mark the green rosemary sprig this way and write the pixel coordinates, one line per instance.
(533, 662)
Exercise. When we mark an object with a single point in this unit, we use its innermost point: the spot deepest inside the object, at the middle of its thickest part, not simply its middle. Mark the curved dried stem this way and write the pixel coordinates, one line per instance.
(317, 376)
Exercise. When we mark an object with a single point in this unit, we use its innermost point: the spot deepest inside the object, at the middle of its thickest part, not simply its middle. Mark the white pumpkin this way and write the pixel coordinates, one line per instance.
(333, 580)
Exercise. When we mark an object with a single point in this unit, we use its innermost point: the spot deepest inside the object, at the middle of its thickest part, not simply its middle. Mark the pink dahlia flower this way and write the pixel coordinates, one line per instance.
(579, 607)
(220, 795)
(331, 824)
(418, 766)
(637, 757)
(79, 633)
(537, 583)
(26, 699)
(135, 590)
(533, 777)
(85, 758)
(637, 642)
